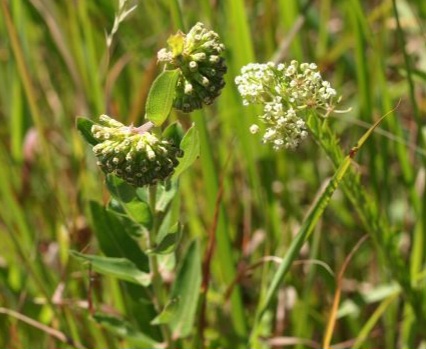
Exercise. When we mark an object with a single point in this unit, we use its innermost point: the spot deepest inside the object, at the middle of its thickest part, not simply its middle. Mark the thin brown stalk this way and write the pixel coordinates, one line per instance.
(286, 42)
(42, 327)
(333, 314)
(209, 254)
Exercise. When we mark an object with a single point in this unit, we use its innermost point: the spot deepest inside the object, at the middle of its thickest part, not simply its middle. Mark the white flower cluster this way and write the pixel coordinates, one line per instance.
(286, 92)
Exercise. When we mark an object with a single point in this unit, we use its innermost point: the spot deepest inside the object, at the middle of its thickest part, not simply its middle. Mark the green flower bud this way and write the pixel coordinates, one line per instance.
(198, 57)
(133, 153)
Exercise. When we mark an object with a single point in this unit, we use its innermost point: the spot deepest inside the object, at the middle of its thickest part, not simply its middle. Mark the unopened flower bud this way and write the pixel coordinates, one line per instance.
(133, 154)
(198, 57)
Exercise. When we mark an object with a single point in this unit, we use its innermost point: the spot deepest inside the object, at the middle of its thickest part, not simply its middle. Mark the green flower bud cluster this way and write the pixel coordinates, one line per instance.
(198, 57)
(133, 153)
(286, 92)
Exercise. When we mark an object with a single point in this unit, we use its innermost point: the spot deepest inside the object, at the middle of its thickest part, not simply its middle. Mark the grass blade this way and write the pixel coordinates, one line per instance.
(310, 222)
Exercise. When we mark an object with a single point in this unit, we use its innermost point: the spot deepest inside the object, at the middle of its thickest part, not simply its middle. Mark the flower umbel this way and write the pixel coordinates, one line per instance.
(133, 154)
(198, 57)
(286, 92)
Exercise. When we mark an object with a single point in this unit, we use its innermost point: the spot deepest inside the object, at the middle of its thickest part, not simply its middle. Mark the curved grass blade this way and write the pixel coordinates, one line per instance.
(310, 222)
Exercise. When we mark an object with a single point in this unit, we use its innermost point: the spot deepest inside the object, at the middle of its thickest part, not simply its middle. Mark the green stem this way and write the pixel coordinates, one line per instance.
(157, 284)
(177, 17)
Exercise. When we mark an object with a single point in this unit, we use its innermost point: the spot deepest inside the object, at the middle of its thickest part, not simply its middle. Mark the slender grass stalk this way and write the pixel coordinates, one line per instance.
(333, 314)
(157, 284)
(307, 227)
(368, 211)
(92, 60)
(177, 17)
(366, 329)
(28, 86)
(419, 241)
(227, 268)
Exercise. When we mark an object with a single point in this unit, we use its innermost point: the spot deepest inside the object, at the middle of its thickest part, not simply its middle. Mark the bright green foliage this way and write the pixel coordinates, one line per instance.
(125, 330)
(185, 292)
(191, 150)
(233, 247)
(161, 96)
(120, 268)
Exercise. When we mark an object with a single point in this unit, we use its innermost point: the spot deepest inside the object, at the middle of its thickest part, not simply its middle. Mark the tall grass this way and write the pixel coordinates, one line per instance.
(55, 65)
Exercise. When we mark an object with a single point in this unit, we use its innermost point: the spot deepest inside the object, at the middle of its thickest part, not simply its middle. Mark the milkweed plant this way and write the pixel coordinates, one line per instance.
(142, 165)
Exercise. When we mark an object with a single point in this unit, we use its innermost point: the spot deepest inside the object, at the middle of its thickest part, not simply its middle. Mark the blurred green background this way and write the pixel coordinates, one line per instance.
(55, 65)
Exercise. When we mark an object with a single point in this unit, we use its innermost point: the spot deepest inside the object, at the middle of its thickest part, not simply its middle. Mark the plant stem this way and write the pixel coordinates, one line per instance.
(159, 295)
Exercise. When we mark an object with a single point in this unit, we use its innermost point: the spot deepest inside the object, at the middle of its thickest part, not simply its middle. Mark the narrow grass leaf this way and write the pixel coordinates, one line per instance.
(371, 322)
(161, 96)
(311, 220)
(121, 268)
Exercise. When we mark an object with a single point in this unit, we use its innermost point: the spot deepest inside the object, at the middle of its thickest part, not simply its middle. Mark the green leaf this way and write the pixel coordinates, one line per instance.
(132, 205)
(168, 242)
(84, 125)
(120, 268)
(186, 290)
(165, 194)
(161, 96)
(139, 212)
(167, 314)
(119, 189)
(191, 147)
(113, 237)
(125, 330)
(174, 132)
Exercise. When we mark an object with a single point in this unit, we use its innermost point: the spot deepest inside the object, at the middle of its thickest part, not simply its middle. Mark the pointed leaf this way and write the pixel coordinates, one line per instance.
(191, 150)
(84, 125)
(139, 212)
(161, 96)
(186, 291)
(136, 209)
(119, 189)
(174, 132)
(113, 237)
(125, 330)
(120, 268)
(310, 222)
(167, 314)
(168, 242)
(165, 194)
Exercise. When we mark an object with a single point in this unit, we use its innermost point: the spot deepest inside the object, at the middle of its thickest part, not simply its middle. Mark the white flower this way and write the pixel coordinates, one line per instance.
(287, 92)
(254, 129)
